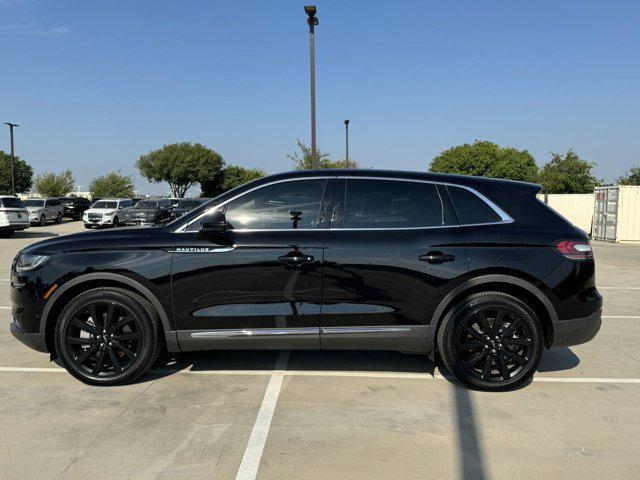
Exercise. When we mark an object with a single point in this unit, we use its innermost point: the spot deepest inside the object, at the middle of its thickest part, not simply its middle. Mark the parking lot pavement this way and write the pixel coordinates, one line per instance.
(375, 415)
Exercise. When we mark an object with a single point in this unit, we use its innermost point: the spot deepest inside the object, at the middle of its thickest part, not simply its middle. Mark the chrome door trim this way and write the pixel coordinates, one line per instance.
(254, 332)
(367, 329)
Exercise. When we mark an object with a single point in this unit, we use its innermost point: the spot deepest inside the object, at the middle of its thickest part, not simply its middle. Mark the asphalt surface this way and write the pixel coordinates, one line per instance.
(337, 415)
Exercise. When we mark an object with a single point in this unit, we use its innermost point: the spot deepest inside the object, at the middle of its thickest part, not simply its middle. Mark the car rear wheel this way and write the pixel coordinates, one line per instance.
(491, 341)
(107, 336)
(6, 234)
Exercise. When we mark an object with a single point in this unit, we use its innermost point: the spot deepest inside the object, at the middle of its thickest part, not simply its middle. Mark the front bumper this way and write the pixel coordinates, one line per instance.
(577, 330)
(32, 340)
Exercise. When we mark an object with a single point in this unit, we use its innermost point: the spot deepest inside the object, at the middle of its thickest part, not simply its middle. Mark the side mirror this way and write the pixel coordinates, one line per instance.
(214, 223)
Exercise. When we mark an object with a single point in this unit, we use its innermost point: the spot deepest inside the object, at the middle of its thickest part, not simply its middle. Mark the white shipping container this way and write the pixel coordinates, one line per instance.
(616, 215)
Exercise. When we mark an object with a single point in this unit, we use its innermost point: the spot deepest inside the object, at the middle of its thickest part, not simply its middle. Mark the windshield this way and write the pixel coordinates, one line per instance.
(146, 204)
(189, 203)
(11, 203)
(66, 200)
(103, 204)
(33, 203)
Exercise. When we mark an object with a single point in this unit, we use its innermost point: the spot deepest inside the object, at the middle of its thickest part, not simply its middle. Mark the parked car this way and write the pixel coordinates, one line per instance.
(14, 216)
(474, 270)
(41, 210)
(150, 211)
(107, 212)
(185, 205)
(74, 207)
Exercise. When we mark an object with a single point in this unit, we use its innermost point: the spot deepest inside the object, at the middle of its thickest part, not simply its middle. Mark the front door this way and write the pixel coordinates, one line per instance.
(259, 284)
(392, 254)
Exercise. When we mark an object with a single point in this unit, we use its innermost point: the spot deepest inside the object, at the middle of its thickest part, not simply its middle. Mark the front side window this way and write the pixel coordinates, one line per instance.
(374, 203)
(280, 206)
(471, 208)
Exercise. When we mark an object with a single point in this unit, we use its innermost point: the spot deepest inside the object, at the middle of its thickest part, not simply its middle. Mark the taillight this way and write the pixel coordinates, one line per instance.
(575, 249)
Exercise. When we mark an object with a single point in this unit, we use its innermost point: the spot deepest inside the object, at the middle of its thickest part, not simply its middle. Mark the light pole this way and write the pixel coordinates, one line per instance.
(13, 158)
(312, 21)
(346, 141)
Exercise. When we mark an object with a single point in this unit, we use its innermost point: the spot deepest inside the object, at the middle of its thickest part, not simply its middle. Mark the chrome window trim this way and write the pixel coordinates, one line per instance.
(254, 332)
(506, 218)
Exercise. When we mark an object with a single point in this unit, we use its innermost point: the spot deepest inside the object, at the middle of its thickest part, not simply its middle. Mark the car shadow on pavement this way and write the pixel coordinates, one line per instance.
(304, 360)
(31, 234)
(557, 359)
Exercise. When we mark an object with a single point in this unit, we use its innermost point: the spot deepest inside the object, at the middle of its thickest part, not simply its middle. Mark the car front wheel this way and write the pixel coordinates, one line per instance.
(43, 220)
(491, 341)
(107, 336)
(59, 217)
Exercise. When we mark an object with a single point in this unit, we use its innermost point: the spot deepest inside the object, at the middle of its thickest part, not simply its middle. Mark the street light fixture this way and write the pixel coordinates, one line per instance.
(312, 21)
(346, 141)
(13, 158)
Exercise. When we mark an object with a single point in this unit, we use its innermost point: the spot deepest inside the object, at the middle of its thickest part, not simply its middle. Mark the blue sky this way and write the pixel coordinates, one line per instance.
(94, 84)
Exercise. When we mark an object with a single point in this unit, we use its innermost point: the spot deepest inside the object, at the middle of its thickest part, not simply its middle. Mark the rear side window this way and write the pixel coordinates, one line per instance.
(11, 203)
(471, 208)
(392, 204)
(54, 202)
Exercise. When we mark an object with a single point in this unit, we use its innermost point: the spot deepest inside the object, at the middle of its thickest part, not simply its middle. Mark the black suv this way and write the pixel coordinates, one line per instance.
(475, 270)
(74, 207)
(150, 211)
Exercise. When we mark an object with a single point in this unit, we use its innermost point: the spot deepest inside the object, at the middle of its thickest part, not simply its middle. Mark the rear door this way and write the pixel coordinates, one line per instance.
(258, 285)
(392, 254)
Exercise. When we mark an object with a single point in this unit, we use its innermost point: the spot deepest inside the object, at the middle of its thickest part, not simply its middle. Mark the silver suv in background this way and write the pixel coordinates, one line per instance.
(13, 216)
(41, 210)
(107, 212)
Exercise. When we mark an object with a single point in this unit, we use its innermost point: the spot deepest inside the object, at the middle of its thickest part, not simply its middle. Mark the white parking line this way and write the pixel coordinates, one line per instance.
(253, 453)
(279, 372)
(618, 288)
(620, 316)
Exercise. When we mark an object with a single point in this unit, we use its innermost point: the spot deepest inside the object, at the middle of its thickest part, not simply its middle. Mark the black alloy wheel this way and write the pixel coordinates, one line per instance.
(107, 336)
(491, 341)
(43, 220)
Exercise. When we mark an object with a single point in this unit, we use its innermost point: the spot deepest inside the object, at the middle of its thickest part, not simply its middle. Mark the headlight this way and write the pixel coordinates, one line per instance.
(151, 216)
(108, 214)
(28, 262)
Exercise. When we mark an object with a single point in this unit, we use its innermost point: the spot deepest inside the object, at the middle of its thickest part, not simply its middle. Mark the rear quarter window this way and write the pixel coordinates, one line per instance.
(471, 208)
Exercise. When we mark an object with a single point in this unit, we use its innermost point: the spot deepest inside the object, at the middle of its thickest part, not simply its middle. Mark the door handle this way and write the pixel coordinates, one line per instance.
(296, 260)
(437, 257)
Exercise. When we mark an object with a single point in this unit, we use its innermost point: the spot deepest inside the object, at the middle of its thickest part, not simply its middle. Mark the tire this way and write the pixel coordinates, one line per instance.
(118, 351)
(7, 234)
(512, 350)
(59, 217)
(88, 227)
(43, 220)
(116, 222)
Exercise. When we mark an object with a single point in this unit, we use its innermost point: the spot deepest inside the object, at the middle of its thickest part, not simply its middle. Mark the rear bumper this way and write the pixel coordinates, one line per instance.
(577, 330)
(32, 340)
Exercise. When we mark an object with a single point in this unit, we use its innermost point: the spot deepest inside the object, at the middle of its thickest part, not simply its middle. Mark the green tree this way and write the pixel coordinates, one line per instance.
(231, 177)
(305, 159)
(568, 174)
(112, 184)
(632, 177)
(344, 163)
(23, 175)
(52, 184)
(181, 165)
(486, 159)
